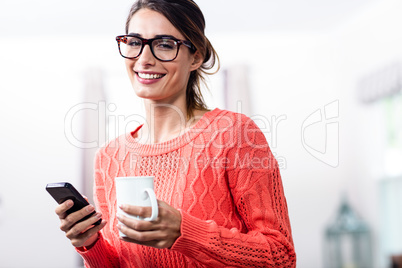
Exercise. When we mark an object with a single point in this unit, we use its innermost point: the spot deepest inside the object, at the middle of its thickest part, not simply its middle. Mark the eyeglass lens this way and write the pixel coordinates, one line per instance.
(162, 49)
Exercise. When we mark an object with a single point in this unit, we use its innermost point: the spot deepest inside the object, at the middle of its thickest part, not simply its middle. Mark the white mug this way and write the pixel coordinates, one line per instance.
(137, 191)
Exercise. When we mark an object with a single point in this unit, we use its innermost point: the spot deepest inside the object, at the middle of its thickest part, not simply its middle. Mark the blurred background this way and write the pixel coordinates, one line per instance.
(322, 78)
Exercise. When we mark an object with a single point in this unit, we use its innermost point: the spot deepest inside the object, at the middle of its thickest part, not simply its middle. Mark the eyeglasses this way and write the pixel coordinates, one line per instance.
(163, 48)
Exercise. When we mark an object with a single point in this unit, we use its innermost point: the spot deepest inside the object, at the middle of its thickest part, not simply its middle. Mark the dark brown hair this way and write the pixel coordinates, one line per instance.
(187, 18)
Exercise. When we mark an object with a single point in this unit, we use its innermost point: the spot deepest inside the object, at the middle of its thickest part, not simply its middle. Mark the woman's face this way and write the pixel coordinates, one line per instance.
(153, 79)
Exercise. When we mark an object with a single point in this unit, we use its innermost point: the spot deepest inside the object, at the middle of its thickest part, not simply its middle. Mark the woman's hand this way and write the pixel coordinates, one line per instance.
(161, 233)
(82, 234)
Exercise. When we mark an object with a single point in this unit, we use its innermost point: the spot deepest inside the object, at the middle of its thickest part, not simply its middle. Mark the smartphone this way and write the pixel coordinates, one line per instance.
(62, 191)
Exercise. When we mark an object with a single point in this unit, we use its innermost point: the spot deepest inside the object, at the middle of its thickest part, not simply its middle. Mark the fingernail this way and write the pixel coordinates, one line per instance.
(90, 208)
(121, 206)
(70, 203)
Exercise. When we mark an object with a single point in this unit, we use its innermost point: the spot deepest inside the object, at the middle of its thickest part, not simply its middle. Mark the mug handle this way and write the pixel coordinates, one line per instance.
(154, 204)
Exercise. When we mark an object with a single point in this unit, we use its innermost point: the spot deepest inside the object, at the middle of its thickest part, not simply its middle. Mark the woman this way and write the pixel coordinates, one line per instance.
(221, 201)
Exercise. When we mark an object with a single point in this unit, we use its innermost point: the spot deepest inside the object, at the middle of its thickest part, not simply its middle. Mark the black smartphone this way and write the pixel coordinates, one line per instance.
(62, 191)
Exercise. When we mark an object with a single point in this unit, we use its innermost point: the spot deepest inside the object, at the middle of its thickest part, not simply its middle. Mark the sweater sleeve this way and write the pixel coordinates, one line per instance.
(102, 254)
(255, 184)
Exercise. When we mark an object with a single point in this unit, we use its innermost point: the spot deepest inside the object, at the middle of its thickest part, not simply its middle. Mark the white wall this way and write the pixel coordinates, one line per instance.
(37, 89)
(42, 78)
(369, 43)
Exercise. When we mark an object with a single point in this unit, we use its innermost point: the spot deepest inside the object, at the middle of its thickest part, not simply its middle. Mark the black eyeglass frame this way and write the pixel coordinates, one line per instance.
(144, 41)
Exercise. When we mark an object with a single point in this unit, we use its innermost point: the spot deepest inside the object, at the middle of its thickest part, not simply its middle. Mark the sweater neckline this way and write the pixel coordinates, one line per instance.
(175, 143)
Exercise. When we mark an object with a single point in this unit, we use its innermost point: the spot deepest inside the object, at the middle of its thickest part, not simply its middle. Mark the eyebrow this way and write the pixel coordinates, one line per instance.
(156, 36)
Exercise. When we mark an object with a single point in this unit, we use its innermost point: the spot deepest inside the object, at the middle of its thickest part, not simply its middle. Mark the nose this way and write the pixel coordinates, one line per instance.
(146, 57)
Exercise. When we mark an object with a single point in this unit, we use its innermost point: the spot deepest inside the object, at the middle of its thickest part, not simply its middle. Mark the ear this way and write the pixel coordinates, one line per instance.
(197, 61)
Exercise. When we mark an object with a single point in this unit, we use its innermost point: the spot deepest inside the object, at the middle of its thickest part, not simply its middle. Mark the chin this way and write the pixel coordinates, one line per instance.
(143, 94)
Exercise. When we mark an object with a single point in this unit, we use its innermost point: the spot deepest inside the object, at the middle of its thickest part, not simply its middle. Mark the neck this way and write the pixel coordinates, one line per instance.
(164, 122)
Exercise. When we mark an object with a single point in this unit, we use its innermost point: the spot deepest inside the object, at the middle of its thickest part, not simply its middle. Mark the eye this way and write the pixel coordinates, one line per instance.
(165, 44)
(134, 42)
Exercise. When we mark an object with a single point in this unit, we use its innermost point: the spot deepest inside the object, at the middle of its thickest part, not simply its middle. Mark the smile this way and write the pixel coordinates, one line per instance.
(150, 76)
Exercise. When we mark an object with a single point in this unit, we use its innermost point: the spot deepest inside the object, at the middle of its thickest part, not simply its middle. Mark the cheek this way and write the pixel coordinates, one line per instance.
(129, 64)
(184, 75)
(178, 77)
(129, 68)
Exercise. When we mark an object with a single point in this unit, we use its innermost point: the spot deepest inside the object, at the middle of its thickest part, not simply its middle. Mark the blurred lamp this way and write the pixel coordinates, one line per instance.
(347, 240)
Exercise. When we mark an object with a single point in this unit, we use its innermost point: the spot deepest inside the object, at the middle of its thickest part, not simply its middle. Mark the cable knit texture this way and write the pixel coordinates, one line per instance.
(222, 177)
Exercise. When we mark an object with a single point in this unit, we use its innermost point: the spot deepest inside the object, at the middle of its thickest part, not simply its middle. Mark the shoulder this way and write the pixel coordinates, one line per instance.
(223, 118)
(111, 147)
(238, 127)
(238, 121)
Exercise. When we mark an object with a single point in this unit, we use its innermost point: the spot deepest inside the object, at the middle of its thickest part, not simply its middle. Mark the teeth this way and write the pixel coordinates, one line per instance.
(149, 76)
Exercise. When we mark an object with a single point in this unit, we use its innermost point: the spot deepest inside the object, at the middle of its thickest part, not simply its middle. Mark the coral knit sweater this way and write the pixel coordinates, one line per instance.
(222, 177)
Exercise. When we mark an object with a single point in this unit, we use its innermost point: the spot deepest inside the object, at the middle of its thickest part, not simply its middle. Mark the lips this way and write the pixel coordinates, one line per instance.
(150, 76)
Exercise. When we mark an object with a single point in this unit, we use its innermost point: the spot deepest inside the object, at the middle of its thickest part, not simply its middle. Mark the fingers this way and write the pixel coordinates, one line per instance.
(88, 237)
(62, 208)
(142, 236)
(143, 212)
(161, 233)
(83, 226)
(80, 233)
(157, 238)
(85, 233)
(168, 217)
(138, 225)
(74, 217)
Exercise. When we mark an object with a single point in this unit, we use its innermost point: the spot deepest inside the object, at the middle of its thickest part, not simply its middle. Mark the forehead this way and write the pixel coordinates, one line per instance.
(149, 23)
